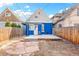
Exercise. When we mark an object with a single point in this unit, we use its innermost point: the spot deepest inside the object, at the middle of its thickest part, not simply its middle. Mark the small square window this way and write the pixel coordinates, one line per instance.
(8, 14)
(60, 25)
(36, 16)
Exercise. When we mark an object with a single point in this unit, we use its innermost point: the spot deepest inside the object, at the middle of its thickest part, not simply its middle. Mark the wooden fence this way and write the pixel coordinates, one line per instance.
(8, 33)
(68, 33)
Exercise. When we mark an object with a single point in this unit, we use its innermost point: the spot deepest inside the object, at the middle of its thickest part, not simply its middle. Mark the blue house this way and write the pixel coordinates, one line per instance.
(39, 24)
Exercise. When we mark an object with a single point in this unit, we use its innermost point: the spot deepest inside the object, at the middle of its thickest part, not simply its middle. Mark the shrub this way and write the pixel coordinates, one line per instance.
(13, 25)
(18, 26)
(7, 24)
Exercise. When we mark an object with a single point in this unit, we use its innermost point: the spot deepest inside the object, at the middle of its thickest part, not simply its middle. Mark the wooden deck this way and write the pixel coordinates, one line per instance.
(42, 37)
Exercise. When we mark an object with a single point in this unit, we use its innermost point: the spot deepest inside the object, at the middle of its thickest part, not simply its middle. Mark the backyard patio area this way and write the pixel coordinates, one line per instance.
(26, 47)
(57, 48)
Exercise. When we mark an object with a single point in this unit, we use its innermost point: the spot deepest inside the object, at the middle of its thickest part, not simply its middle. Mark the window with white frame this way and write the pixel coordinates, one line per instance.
(7, 14)
(31, 26)
(42, 27)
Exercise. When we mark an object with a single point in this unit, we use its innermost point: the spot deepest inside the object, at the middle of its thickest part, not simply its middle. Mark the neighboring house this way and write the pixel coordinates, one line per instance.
(67, 18)
(38, 24)
(8, 16)
(56, 19)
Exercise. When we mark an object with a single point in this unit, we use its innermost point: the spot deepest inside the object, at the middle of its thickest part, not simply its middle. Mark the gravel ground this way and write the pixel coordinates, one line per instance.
(51, 48)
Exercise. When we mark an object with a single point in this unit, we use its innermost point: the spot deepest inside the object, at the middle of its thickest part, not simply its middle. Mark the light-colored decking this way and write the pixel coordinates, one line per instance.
(42, 37)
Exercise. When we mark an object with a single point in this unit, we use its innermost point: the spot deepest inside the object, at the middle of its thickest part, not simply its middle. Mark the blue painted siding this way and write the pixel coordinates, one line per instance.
(29, 32)
(47, 28)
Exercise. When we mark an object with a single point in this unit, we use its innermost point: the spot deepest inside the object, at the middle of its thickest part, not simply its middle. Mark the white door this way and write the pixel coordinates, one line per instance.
(36, 30)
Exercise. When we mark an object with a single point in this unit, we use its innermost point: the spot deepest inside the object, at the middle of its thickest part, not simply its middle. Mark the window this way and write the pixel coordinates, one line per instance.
(76, 25)
(8, 14)
(42, 27)
(36, 16)
(60, 25)
(31, 26)
(77, 12)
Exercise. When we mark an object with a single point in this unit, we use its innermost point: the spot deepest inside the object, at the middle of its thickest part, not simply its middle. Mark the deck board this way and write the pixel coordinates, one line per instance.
(42, 37)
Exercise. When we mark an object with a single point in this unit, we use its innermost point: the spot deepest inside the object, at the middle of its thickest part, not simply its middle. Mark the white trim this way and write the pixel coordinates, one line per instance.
(31, 27)
(36, 30)
(39, 21)
(42, 27)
